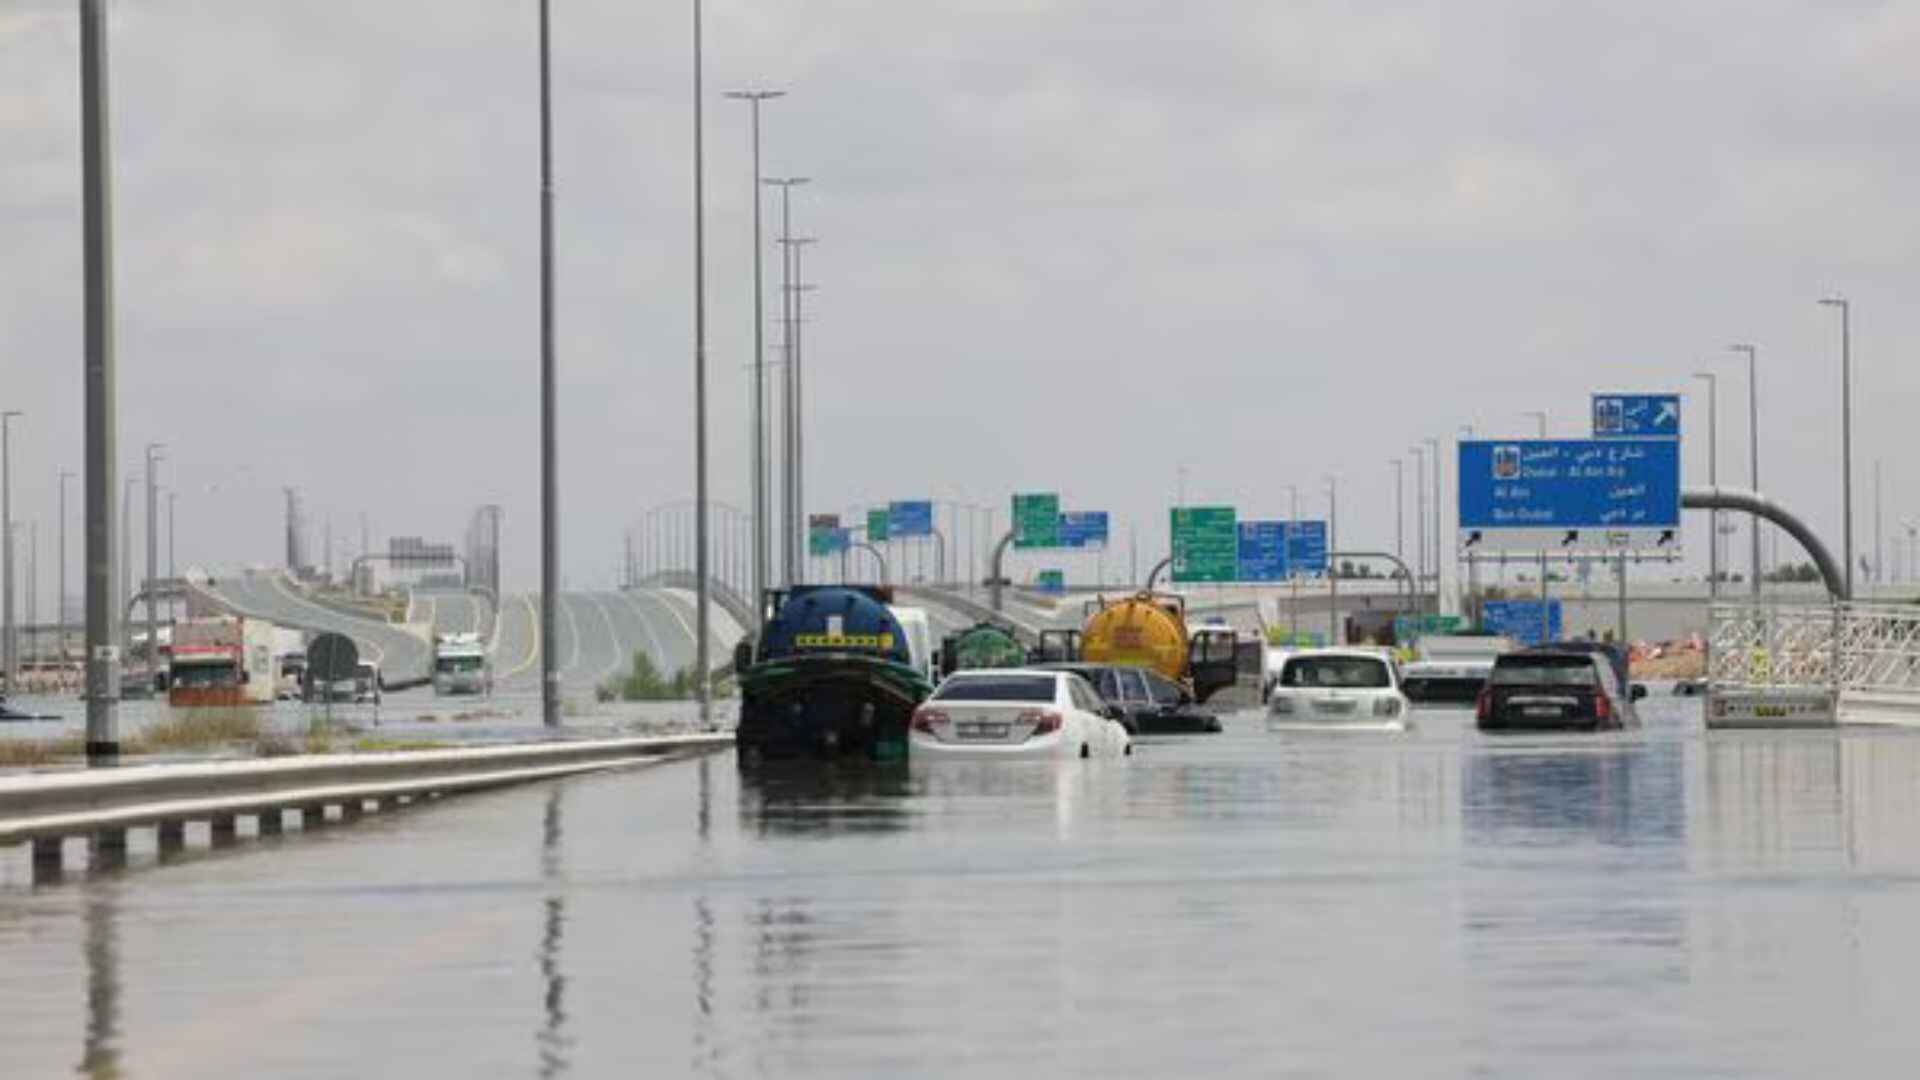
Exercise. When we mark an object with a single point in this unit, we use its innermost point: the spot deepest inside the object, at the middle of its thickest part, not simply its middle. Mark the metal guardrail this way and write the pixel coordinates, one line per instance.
(1863, 659)
(101, 805)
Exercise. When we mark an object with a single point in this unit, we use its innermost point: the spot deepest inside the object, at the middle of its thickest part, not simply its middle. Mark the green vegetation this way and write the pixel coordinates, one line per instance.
(196, 729)
(644, 683)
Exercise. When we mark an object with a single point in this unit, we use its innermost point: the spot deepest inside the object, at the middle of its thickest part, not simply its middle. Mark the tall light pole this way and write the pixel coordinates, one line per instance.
(549, 467)
(125, 600)
(1399, 509)
(173, 567)
(10, 654)
(1753, 448)
(102, 415)
(1420, 518)
(758, 443)
(60, 600)
(1293, 573)
(1846, 429)
(154, 458)
(788, 506)
(1879, 533)
(1713, 479)
(1439, 562)
(702, 600)
(797, 431)
(1334, 637)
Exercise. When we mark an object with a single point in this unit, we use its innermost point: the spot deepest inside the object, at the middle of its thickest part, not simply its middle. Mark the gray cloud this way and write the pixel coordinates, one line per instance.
(1066, 245)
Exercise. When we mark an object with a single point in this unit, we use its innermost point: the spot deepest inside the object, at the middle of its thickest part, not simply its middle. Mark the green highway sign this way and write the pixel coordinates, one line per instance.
(877, 521)
(1036, 521)
(1206, 544)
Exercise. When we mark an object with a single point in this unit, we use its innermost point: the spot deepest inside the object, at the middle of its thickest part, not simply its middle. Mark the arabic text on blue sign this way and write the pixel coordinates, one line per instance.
(1520, 620)
(1631, 416)
(1083, 528)
(1570, 484)
(1263, 551)
(910, 519)
(1307, 549)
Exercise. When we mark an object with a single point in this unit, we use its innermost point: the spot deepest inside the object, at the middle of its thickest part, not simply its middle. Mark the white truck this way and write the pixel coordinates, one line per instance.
(223, 660)
(1450, 669)
(460, 665)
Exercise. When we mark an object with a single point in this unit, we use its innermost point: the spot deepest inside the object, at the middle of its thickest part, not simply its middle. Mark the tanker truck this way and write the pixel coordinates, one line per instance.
(982, 645)
(1150, 630)
(831, 674)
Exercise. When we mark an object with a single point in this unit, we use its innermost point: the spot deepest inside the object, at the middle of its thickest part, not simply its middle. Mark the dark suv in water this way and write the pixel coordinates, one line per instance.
(1559, 688)
(1152, 703)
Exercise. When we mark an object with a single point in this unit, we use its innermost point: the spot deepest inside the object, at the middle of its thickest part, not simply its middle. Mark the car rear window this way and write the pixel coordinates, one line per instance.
(1358, 672)
(1544, 671)
(997, 688)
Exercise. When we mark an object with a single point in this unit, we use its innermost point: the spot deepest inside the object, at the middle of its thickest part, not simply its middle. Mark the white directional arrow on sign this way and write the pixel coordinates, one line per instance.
(1668, 415)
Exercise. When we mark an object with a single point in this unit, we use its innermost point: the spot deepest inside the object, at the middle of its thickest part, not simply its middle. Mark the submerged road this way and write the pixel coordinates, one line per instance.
(1665, 902)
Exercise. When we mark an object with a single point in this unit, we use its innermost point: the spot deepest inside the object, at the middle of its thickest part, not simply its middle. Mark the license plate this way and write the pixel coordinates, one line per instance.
(973, 730)
(1541, 710)
(1336, 707)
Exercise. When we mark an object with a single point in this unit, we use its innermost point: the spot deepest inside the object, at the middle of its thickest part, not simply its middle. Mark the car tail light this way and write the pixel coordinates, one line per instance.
(1386, 706)
(924, 719)
(1280, 705)
(1602, 708)
(1483, 705)
(1043, 722)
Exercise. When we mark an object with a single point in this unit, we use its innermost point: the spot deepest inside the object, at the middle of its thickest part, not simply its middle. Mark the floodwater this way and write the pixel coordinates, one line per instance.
(1664, 903)
(510, 714)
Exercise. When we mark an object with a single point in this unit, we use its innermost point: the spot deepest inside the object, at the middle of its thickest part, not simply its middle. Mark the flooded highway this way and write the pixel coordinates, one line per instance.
(1663, 903)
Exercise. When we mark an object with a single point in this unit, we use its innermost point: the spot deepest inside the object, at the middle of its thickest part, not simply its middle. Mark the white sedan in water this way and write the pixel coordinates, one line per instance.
(1338, 690)
(1017, 714)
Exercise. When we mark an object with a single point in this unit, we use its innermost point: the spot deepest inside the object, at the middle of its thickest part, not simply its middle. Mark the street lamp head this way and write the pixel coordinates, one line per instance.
(786, 181)
(1740, 347)
(753, 95)
(1834, 301)
(1707, 375)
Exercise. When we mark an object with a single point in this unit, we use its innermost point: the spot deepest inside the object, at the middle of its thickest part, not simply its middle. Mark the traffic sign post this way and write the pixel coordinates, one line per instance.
(1636, 416)
(1206, 544)
(1527, 622)
(1263, 551)
(1307, 549)
(1082, 529)
(1570, 495)
(1036, 520)
(909, 519)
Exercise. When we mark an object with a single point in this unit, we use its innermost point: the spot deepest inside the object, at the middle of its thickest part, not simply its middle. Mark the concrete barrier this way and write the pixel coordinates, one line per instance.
(101, 804)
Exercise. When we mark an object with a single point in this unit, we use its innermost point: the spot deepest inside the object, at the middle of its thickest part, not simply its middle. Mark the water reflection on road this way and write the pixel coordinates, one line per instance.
(1438, 905)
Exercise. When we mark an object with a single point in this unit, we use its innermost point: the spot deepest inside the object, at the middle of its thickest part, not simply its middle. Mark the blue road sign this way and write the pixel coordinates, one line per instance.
(1307, 549)
(1636, 416)
(909, 519)
(1263, 551)
(1520, 620)
(1083, 528)
(1570, 495)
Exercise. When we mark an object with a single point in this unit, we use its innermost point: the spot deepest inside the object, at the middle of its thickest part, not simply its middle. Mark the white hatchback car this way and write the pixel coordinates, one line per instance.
(1016, 714)
(1338, 690)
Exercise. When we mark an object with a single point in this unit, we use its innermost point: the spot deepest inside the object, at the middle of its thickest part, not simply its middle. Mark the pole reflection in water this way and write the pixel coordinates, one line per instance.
(100, 1052)
(807, 798)
(552, 1041)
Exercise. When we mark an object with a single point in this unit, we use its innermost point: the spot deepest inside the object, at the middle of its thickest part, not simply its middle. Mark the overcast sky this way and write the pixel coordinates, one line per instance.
(1063, 246)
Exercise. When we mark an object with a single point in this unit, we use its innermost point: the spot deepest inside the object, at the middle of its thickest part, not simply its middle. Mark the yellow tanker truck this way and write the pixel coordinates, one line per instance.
(1149, 630)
